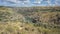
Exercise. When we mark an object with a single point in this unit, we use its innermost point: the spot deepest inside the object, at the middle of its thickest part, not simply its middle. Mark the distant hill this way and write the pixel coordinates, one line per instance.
(13, 13)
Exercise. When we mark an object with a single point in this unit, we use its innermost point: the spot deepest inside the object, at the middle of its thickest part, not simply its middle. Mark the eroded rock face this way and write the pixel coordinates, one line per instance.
(56, 19)
(7, 16)
(45, 17)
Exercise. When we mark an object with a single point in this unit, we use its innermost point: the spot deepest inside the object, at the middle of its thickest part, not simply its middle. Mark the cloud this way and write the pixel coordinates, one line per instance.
(18, 1)
(23, 0)
(28, 2)
(57, 2)
(37, 1)
(14, 1)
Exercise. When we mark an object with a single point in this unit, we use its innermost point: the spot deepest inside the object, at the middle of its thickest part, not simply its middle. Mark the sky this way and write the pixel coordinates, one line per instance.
(29, 3)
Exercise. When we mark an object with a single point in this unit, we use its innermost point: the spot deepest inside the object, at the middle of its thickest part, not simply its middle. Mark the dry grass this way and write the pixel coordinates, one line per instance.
(21, 22)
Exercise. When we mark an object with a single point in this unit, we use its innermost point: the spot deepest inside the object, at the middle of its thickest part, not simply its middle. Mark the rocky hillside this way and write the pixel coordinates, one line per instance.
(29, 20)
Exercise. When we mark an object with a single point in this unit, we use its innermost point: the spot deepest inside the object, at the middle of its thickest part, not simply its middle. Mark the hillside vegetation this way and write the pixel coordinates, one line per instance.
(29, 20)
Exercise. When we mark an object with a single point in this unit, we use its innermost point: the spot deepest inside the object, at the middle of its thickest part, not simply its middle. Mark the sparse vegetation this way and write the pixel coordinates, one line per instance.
(29, 20)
